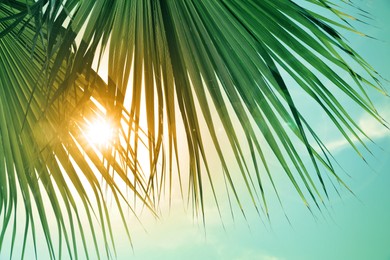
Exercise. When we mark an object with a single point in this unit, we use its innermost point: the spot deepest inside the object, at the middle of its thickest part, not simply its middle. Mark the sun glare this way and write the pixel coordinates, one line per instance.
(100, 132)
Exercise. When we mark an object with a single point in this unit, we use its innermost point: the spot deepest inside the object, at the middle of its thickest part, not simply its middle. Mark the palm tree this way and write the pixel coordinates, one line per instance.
(172, 68)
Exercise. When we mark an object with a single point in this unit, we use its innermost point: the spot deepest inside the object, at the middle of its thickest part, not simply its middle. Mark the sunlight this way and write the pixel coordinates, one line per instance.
(100, 132)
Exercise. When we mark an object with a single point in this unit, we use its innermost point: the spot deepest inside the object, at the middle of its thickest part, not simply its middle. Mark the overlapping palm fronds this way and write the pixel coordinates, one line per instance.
(179, 64)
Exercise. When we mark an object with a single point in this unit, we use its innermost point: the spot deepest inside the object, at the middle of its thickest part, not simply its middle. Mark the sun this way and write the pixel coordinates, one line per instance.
(100, 132)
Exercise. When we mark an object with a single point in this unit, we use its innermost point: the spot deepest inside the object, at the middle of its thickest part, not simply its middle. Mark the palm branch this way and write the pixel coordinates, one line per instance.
(173, 67)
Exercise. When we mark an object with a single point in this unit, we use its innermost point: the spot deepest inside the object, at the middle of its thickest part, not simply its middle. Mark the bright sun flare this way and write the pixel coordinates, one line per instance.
(100, 132)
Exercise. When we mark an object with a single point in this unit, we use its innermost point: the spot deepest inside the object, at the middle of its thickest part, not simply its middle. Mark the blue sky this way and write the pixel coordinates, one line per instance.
(350, 227)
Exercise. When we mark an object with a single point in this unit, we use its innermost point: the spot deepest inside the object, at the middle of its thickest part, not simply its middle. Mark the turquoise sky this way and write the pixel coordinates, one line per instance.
(350, 227)
(353, 228)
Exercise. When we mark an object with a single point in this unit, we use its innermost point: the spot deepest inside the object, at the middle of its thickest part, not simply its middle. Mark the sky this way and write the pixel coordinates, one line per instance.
(351, 227)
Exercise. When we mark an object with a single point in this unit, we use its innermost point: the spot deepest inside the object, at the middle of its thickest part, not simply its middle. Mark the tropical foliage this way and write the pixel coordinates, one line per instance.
(217, 70)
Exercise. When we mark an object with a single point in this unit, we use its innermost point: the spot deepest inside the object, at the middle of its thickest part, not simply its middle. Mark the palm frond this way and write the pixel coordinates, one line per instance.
(178, 66)
(43, 146)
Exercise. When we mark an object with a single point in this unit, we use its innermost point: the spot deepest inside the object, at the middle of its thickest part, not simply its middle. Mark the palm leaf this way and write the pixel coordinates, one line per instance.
(180, 66)
(42, 142)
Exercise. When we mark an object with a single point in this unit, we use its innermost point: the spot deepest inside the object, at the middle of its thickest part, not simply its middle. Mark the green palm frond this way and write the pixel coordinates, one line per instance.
(43, 146)
(172, 67)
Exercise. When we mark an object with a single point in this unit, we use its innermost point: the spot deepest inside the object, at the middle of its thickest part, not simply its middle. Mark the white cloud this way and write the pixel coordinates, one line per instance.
(373, 129)
(257, 255)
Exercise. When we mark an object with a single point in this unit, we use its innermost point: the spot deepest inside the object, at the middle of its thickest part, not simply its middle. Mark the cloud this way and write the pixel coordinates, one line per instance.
(257, 255)
(373, 129)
